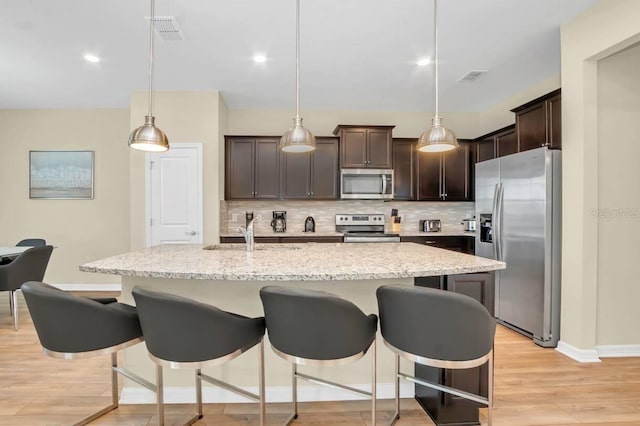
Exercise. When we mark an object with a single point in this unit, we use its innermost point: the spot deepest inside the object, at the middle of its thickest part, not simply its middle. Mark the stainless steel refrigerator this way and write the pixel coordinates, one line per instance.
(518, 202)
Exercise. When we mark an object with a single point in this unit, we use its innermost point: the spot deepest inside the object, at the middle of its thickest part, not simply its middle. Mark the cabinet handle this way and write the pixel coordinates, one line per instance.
(429, 242)
(312, 193)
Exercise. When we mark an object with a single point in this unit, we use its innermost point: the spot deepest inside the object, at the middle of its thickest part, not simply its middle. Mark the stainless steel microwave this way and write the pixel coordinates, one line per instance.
(366, 184)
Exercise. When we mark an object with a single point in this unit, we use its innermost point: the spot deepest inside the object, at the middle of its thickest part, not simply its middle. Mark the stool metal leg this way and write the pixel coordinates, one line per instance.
(373, 384)
(114, 394)
(294, 393)
(263, 407)
(396, 415)
(490, 390)
(199, 392)
(14, 309)
(114, 379)
(11, 303)
(160, 395)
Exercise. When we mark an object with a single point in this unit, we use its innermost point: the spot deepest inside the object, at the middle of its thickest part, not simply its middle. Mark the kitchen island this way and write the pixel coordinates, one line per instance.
(229, 277)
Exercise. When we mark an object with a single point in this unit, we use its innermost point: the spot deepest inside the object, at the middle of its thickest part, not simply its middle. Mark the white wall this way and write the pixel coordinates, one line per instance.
(606, 28)
(618, 316)
(82, 230)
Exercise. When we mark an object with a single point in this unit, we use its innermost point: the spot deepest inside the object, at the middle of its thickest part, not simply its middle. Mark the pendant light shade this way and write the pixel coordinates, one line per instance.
(437, 138)
(297, 138)
(148, 137)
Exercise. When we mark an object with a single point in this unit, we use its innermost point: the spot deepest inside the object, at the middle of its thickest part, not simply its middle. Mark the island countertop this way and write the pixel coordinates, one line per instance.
(292, 262)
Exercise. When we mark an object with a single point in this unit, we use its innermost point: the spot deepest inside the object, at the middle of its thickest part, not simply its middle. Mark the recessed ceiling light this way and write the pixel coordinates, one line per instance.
(91, 58)
(423, 61)
(259, 58)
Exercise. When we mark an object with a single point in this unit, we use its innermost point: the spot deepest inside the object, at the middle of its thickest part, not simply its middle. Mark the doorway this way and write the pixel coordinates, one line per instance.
(174, 195)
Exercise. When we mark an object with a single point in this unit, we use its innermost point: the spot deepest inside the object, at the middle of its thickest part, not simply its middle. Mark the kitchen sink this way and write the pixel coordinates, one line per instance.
(243, 247)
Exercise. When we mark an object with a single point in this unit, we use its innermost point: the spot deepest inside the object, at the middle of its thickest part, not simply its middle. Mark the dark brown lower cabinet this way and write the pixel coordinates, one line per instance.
(286, 240)
(462, 244)
(443, 408)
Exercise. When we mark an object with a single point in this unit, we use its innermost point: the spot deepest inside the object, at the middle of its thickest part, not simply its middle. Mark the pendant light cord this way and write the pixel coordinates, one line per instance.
(435, 38)
(151, 23)
(297, 58)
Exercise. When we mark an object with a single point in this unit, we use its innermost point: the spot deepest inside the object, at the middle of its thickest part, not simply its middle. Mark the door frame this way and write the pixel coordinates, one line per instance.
(147, 189)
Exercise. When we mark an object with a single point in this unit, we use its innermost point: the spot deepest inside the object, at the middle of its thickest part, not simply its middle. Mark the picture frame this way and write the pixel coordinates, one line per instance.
(61, 175)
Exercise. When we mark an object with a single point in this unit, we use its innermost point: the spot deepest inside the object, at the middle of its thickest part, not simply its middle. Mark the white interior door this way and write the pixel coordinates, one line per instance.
(174, 195)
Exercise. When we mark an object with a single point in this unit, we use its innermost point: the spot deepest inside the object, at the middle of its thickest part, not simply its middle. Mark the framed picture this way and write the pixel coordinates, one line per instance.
(61, 175)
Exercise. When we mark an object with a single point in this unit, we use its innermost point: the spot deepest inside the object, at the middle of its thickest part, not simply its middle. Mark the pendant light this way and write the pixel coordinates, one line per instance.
(148, 137)
(297, 138)
(437, 138)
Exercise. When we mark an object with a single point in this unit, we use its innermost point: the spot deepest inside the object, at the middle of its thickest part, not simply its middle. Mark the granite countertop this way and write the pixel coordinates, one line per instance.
(292, 262)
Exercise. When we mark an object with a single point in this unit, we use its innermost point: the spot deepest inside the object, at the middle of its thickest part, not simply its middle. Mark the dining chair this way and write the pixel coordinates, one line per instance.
(30, 265)
(29, 242)
(32, 242)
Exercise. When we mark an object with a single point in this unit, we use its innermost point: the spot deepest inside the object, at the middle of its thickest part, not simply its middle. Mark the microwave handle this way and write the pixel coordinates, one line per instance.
(384, 184)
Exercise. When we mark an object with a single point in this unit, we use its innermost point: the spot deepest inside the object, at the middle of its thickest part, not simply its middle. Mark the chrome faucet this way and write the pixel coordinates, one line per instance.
(248, 234)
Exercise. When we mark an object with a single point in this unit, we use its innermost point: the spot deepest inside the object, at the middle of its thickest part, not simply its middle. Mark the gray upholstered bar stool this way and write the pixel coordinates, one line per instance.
(439, 329)
(29, 265)
(316, 328)
(183, 333)
(72, 327)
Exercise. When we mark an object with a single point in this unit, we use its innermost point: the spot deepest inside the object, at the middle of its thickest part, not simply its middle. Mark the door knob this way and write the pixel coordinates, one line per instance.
(192, 233)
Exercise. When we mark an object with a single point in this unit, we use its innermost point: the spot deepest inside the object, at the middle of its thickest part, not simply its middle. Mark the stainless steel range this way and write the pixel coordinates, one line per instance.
(364, 228)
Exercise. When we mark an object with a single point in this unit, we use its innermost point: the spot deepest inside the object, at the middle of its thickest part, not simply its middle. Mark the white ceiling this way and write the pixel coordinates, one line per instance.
(355, 54)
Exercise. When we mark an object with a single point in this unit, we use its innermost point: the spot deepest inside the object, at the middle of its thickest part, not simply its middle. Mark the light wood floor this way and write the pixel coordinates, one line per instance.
(534, 386)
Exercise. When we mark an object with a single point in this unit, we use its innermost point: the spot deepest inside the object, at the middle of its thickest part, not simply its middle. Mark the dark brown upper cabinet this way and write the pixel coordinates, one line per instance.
(539, 122)
(252, 167)
(311, 175)
(496, 144)
(445, 176)
(404, 167)
(365, 146)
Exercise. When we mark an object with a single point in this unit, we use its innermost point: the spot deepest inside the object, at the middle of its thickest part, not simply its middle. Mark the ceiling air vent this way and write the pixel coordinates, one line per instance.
(167, 28)
(471, 75)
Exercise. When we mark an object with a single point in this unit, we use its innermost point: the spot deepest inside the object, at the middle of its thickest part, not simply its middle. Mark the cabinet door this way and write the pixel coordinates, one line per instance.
(267, 168)
(379, 149)
(554, 114)
(296, 175)
(324, 170)
(531, 127)
(239, 169)
(353, 148)
(506, 143)
(455, 172)
(404, 152)
(485, 150)
(429, 176)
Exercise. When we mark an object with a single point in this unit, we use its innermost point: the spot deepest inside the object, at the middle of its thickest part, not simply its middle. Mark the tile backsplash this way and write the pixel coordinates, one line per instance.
(232, 213)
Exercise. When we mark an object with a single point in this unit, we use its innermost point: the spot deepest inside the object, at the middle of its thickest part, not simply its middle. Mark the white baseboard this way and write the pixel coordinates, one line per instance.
(176, 395)
(617, 351)
(580, 355)
(89, 287)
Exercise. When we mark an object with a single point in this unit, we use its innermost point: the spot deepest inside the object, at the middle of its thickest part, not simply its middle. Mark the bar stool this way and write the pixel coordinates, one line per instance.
(315, 328)
(182, 333)
(73, 327)
(30, 265)
(439, 329)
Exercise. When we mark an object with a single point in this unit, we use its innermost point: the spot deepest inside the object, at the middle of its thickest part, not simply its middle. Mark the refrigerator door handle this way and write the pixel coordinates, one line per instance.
(498, 225)
(494, 218)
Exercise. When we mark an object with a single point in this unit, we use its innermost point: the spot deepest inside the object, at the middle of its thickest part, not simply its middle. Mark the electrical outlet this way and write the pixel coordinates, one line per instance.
(234, 217)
